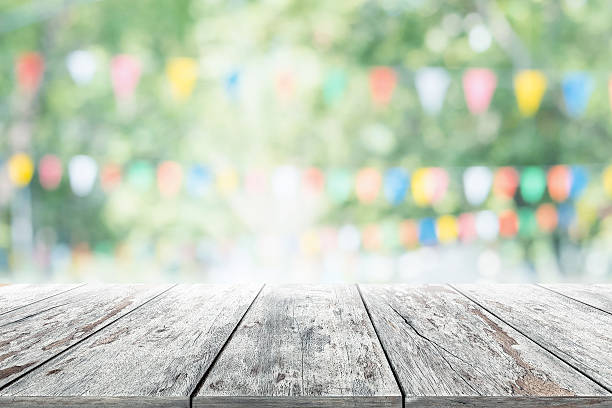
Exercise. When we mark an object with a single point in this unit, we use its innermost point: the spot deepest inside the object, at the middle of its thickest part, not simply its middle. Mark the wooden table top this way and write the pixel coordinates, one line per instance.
(305, 346)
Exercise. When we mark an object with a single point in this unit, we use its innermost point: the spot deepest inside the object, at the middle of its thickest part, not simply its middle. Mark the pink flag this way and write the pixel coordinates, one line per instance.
(478, 86)
(382, 84)
(125, 73)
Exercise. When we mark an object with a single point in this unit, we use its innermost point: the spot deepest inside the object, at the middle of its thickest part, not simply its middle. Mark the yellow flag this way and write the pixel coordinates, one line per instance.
(447, 229)
(419, 185)
(20, 169)
(227, 181)
(182, 74)
(529, 86)
(607, 180)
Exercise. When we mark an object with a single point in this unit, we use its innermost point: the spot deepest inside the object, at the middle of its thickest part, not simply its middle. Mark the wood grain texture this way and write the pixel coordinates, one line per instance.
(442, 344)
(13, 297)
(598, 296)
(153, 357)
(576, 333)
(35, 333)
(505, 402)
(302, 346)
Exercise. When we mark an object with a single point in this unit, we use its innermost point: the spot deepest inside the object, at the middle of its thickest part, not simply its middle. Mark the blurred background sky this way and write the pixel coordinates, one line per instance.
(305, 141)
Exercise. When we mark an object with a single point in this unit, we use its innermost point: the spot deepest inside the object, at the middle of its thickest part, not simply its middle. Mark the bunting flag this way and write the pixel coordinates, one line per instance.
(447, 229)
(547, 217)
(505, 182)
(467, 227)
(29, 70)
(125, 75)
(140, 175)
(110, 177)
(313, 181)
(429, 185)
(182, 74)
(529, 86)
(199, 180)
(431, 85)
(579, 181)
(285, 182)
(487, 225)
(169, 178)
(49, 172)
(508, 223)
(527, 222)
(477, 183)
(339, 185)
(427, 232)
(255, 181)
(396, 184)
(367, 184)
(20, 169)
(82, 173)
(285, 85)
(607, 180)
(81, 66)
(232, 84)
(478, 86)
(533, 184)
(382, 84)
(559, 181)
(408, 233)
(228, 180)
(334, 86)
(577, 88)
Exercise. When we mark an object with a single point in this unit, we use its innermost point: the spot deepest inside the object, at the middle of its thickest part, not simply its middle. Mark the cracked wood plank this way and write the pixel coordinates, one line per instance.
(35, 333)
(598, 296)
(13, 297)
(576, 333)
(153, 357)
(447, 351)
(302, 346)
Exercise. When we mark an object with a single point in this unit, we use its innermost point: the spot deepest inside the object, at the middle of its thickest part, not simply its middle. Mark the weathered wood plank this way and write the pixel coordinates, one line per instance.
(153, 357)
(33, 334)
(505, 402)
(598, 296)
(574, 332)
(441, 344)
(302, 346)
(13, 297)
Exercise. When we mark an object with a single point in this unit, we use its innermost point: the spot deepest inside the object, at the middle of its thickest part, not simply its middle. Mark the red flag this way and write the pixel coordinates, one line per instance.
(382, 84)
(29, 69)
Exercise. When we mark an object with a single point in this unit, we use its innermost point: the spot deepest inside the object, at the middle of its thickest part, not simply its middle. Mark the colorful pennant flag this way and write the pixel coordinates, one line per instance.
(527, 222)
(429, 185)
(533, 184)
(409, 233)
(339, 183)
(82, 172)
(255, 181)
(199, 180)
(367, 184)
(577, 88)
(505, 182)
(427, 232)
(285, 182)
(559, 181)
(382, 84)
(110, 177)
(467, 227)
(478, 86)
(477, 183)
(182, 74)
(20, 169)
(547, 217)
(125, 75)
(607, 180)
(447, 229)
(508, 223)
(169, 178)
(431, 84)
(29, 69)
(313, 180)
(49, 172)
(580, 179)
(487, 225)
(334, 86)
(140, 175)
(81, 66)
(529, 86)
(285, 85)
(232, 84)
(396, 184)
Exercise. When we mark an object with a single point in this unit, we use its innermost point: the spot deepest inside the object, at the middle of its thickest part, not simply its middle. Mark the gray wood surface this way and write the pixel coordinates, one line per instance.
(302, 346)
(35, 333)
(598, 296)
(441, 344)
(574, 332)
(153, 357)
(13, 297)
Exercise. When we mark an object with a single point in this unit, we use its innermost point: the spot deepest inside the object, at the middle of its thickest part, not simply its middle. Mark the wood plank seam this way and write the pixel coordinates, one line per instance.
(572, 298)
(529, 337)
(37, 366)
(212, 364)
(395, 376)
(45, 298)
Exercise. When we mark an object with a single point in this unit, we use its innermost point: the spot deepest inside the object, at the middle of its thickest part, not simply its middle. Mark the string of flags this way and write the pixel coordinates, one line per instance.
(425, 187)
(431, 83)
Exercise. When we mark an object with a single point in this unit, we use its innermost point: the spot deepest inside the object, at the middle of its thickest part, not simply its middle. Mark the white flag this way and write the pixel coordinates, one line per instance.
(81, 66)
(431, 85)
(82, 171)
(477, 182)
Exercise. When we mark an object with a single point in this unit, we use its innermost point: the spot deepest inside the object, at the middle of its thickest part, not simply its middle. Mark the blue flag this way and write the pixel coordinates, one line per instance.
(396, 184)
(577, 88)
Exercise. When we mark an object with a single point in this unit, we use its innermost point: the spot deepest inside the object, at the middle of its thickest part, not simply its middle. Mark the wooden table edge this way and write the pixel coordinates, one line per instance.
(333, 401)
(507, 401)
(94, 401)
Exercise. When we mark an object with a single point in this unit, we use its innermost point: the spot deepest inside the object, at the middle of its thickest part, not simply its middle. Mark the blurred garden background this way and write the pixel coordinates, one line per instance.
(305, 141)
